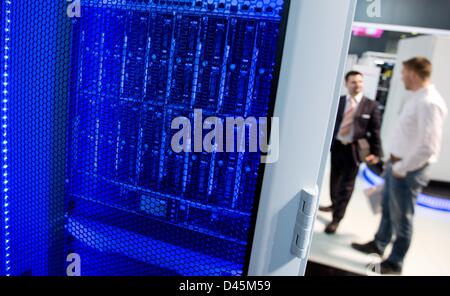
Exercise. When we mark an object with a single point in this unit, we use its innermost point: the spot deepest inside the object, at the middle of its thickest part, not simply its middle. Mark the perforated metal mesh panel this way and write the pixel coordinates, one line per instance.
(87, 161)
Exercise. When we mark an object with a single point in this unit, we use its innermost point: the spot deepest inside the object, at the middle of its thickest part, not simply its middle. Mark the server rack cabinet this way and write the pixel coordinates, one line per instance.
(88, 101)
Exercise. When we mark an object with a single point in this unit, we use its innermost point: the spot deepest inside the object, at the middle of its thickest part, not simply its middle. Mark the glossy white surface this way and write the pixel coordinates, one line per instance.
(307, 99)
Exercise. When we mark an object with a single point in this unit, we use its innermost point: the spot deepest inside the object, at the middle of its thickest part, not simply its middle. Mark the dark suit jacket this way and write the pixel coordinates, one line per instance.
(367, 123)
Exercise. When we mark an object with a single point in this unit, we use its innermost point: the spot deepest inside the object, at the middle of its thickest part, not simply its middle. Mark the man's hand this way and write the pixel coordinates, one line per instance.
(397, 172)
(398, 176)
(372, 159)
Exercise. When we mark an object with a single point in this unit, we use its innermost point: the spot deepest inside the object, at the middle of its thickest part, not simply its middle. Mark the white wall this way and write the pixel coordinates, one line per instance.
(437, 49)
(441, 78)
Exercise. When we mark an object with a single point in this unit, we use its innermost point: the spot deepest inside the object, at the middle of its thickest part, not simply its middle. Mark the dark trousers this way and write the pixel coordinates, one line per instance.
(344, 170)
(399, 200)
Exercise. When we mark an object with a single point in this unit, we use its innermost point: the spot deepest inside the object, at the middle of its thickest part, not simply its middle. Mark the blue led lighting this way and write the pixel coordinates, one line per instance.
(6, 217)
(424, 200)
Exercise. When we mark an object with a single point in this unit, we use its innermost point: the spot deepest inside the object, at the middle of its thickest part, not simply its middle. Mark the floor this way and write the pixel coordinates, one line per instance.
(429, 253)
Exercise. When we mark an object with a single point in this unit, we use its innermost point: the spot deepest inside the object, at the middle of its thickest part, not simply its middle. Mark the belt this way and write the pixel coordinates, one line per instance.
(395, 159)
(345, 143)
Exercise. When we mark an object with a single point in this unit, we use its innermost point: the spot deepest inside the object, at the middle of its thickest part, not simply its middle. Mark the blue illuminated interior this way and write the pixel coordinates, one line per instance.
(87, 161)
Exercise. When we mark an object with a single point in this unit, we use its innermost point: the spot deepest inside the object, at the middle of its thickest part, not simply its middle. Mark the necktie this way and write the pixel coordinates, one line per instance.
(347, 122)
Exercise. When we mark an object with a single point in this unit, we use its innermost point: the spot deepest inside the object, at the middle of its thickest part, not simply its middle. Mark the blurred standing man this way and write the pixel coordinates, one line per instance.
(416, 142)
(358, 118)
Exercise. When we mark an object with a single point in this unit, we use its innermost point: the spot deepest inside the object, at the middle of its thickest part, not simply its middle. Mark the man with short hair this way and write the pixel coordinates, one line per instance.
(416, 142)
(358, 119)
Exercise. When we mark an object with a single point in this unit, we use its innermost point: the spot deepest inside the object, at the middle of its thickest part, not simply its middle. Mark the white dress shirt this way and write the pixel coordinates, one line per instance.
(349, 137)
(417, 136)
